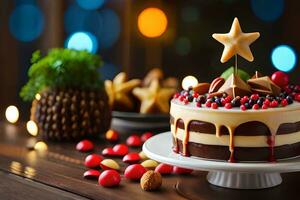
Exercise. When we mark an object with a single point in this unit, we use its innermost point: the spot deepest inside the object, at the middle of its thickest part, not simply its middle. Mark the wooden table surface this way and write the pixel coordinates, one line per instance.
(57, 174)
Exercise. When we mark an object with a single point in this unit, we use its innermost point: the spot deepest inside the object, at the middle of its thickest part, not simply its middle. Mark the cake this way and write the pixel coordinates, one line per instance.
(234, 119)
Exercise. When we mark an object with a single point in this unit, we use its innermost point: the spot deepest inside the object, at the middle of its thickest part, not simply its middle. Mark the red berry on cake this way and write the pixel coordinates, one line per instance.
(228, 106)
(208, 104)
(265, 106)
(274, 104)
(214, 106)
(176, 95)
(297, 97)
(284, 103)
(255, 106)
(280, 78)
(254, 97)
(243, 107)
(198, 104)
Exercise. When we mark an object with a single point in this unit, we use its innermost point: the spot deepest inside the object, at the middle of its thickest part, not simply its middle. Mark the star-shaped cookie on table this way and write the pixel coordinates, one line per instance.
(119, 91)
(154, 98)
(236, 42)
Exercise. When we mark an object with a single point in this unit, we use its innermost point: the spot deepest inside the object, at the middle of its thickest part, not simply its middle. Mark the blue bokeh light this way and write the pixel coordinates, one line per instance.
(26, 22)
(111, 27)
(284, 58)
(267, 10)
(108, 71)
(82, 41)
(90, 4)
(74, 18)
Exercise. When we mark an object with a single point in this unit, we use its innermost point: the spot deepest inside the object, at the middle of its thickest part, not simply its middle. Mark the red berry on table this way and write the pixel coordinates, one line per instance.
(134, 141)
(255, 106)
(84, 146)
(284, 102)
(93, 160)
(109, 178)
(274, 104)
(214, 106)
(131, 158)
(243, 107)
(134, 172)
(280, 78)
(146, 136)
(180, 170)
(108, 152)
(297, 97)
(265, 106)
(91, 174)
(112, 135)
(228, 106)
(164, 169)
(120, 149)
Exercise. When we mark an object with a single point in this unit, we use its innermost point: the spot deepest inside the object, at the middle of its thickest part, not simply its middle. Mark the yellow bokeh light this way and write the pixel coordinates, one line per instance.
(40, 146)
(189, 81)
(12, 114)
(32, 128)
(38, 96)
(152, 22)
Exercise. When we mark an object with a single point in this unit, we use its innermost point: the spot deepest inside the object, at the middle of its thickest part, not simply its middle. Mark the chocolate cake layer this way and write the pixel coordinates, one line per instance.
(240, 153)
(253, 128)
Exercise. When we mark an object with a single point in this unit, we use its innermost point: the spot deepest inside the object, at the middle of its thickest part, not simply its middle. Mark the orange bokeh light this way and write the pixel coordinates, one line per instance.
(152, 22)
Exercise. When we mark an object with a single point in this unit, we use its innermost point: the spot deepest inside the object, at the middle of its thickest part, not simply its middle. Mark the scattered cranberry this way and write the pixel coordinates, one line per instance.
(208, 104)
(284, 102)
(198, 104)
(120, 149)
(108, 152)
(134, 172)
(146, 136)
(228, 106)
(109, 178)
(255, 106)
(93, 160)
(131, 158)
(243, 107)
(179, 170)
(274, 104)
(265, 106)
(84, 146)
(297, 97)
(214, 106)
(112, 135)
(134, 141)
(280, 78)
(91, 174)
(164, 169)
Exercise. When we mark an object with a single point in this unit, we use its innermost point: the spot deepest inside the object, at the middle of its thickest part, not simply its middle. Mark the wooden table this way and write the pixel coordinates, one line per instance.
(57, 174)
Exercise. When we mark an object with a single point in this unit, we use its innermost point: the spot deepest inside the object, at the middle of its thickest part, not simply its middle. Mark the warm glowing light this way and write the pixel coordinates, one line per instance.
(12, 114)
(189, 81)
(152, 22)
(40, 146)
(38, 96)
(32, 128)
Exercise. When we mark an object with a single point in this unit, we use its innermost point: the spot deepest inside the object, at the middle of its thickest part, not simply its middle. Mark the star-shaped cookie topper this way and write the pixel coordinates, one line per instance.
(236, 42)
(154, 98)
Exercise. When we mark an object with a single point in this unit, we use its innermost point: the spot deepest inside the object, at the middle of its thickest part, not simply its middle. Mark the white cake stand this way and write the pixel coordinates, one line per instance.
(221, 173)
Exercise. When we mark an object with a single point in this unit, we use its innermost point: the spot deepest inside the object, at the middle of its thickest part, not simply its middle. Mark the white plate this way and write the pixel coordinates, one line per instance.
(159, 148)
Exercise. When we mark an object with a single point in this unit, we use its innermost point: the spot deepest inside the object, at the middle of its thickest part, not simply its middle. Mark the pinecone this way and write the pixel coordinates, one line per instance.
(71, 114)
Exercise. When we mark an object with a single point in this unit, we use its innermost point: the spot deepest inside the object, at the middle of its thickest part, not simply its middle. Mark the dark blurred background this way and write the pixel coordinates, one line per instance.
(110, 28)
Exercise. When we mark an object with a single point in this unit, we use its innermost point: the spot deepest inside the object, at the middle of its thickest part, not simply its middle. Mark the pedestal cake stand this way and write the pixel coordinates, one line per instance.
(220, 173)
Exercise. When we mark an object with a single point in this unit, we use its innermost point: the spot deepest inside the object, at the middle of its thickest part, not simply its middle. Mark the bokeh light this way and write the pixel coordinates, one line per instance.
(183, 46)
(189, 81)
(41, 146)
(74, 18)
(90, 4)
(110, 29)
(284, 58)
(26, 22)
(152, 22)
(267, 10)
(108, 71)
(12, 114)
(37, 96)
(82, 41)
(32, 128)
(190, 14)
